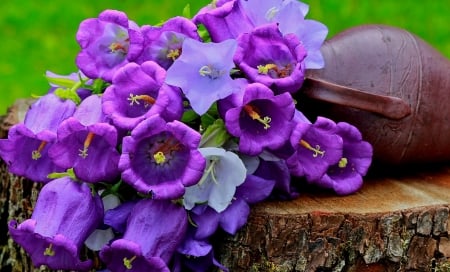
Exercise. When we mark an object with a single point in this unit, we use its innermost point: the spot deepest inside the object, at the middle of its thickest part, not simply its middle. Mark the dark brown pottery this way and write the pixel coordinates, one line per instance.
(390, 84)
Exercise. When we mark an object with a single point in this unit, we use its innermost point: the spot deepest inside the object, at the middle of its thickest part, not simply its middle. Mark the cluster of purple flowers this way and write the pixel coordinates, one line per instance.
(167, 135)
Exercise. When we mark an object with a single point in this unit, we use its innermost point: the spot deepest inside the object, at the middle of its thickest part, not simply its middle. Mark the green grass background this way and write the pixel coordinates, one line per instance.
(39, 35)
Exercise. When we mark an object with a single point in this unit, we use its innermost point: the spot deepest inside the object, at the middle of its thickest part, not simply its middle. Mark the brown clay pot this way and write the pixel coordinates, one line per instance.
(390, 84)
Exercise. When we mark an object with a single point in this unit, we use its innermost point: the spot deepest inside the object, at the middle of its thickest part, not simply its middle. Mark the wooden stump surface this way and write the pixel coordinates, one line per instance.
(394, 223)
(398, 221)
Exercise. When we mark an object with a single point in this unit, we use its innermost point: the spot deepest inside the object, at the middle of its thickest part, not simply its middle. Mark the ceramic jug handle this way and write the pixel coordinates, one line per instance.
(387, 106)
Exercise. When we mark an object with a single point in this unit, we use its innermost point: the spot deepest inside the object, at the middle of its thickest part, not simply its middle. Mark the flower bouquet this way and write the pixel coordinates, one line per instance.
(169, 133)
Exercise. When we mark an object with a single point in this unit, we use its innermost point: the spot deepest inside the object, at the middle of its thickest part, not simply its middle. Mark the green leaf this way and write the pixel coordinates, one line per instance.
(69, 173)
(68, 94)
(189, 116)
(61, 82)
(215, 135)
(186, 11)
(99, 86)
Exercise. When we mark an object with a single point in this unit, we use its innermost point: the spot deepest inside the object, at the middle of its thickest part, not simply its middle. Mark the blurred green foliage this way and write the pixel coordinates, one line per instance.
(40, 35)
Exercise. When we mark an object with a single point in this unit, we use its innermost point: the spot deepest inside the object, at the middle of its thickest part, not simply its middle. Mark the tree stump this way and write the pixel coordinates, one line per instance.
(396, 222)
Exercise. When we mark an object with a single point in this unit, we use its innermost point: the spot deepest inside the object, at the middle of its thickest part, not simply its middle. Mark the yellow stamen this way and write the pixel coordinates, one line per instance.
(343, 162)
(252, 112)
(173, 54)
(280, 72)
(316, 150)
(36, 154)
(148, 100)
(49, 251)
(127, 262)
(115, 46)
(264, 69)
(87, 142)
(159, 157)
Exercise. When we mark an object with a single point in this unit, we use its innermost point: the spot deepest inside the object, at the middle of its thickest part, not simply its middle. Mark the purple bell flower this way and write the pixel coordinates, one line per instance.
(225, 19)
(66, 213)
(26, 149)
(228, 19)
(155, 229)
(345, 177)
(316, 147)
(267, 56)
(203, 72)
(195, 255)
(87, 143)
(137, 92)
(107, 43)
(162, 44)
(262, 120)
(161, 159)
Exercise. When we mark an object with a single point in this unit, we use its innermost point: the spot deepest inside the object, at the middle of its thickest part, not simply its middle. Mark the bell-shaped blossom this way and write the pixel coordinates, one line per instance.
(161, 158)
(25, 151)
(262, 120)
(87, 143)
(162, 44)
(345, 177)
(311, 33)
(224, 171)
(137, 92)
(203, 72)
(155, 229)
(273, 11)
(118, 216)
(316, 147)
(228, 19)
(224, 19)
(195, 255)
(107, 43)
(277, 172)
(267, 56)
(66, 213)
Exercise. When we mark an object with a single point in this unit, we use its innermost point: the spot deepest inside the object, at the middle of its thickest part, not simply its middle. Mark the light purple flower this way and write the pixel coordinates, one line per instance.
(107, 43)
(155, 228)
(26, 149)
(311, 33)
(87, 143)
(66, 213)
(162, 44)
(224, 171)
(161, 158)
(345, 177)
(262, 120)
(137, 92)
(316, 147)
(273, 11)
(267, 56)
(203, 72)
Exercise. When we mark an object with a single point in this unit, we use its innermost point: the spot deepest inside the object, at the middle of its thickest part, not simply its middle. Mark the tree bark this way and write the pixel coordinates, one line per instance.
(396, 222)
